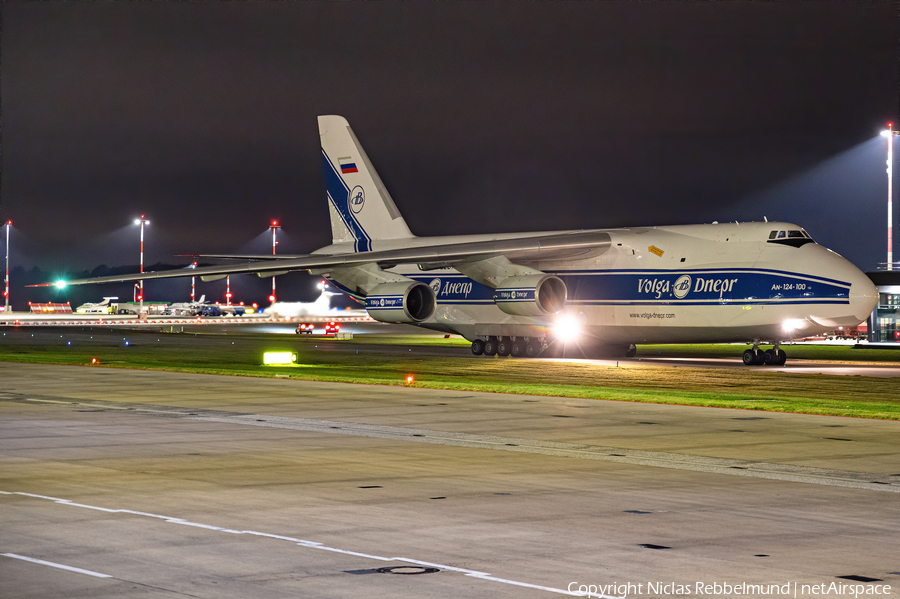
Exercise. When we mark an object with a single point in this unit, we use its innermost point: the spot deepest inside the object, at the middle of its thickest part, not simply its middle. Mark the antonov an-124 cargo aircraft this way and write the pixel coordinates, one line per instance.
(525, 294)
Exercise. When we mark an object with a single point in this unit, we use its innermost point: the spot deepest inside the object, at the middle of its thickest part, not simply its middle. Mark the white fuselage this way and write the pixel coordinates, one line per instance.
(677, 284)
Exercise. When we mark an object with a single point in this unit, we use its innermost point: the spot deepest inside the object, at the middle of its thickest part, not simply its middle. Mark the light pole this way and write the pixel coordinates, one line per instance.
(890, 133)
(193, 283)
(141, 221)
(274, 226)
(6, 291)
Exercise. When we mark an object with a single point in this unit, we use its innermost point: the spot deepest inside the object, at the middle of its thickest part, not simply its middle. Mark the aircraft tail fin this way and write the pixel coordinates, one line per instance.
(361, 208)
(202, 299)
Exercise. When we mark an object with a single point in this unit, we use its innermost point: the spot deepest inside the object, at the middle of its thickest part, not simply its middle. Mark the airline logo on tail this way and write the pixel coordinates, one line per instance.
(357, 199)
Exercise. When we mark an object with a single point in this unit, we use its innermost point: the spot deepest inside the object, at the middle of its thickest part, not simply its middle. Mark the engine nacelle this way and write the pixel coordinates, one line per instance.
(531, 295)
(406, 302)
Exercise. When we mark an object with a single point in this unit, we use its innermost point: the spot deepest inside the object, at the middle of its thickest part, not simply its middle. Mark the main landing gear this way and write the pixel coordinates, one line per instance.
(770, 357)
(505, 346)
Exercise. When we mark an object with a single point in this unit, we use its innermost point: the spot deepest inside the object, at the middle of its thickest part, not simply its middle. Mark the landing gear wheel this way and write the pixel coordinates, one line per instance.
(478, 347)
(769, 358)
(753, 357)
(532, 350)
(518, 348)
(632, 351)
(490, 346)
(504, 346)
(780, 357)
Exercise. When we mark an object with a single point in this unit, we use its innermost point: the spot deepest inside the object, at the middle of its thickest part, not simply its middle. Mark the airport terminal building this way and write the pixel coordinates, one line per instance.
(882, 325)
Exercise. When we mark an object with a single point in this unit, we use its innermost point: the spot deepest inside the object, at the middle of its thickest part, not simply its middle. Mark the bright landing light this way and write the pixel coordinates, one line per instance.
(60, 284)
(792, 325)
(567, 328)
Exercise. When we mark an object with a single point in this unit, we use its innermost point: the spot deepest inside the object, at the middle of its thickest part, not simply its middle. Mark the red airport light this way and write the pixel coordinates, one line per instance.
(227, 295)
(272, 299)
(409, 379)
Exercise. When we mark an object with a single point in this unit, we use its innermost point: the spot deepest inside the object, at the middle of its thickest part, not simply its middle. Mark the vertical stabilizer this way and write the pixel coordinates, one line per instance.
(361, 208)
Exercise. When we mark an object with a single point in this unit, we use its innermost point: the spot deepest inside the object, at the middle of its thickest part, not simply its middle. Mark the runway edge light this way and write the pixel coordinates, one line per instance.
(279, 357)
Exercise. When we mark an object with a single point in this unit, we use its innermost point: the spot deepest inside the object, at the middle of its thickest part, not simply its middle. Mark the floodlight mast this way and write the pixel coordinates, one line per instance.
(890, 133)
(274, 226)
(193, 283)
(6, 280)
(141, 221)
(890, 164)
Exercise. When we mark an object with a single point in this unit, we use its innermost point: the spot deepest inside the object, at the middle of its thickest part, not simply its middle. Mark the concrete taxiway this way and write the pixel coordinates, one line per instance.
(156, 484)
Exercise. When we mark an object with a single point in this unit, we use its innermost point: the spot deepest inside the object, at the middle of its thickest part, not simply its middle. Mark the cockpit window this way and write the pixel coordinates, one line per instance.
(793, 238)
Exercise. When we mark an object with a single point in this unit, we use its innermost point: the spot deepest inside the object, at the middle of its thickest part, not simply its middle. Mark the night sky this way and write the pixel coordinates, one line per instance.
(479, 116)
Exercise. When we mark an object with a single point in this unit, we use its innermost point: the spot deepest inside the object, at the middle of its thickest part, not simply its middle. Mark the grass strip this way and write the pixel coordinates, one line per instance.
(750, 388)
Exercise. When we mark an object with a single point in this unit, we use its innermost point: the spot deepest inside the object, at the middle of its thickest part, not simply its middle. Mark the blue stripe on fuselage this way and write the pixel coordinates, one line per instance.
(698, 287)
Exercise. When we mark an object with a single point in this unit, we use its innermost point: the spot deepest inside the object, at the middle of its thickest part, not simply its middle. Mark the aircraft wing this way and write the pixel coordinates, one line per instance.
(556, 245)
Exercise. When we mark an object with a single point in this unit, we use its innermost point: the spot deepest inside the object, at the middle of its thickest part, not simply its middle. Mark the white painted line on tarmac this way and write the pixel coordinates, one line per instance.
(658, 459)
(299, 542)
(55, 565)
(727, 466)
(712, 465)
(487, 576)
(51, 401)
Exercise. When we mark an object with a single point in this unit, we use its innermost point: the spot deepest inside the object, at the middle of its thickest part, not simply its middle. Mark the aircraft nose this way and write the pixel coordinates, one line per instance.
(863, 295)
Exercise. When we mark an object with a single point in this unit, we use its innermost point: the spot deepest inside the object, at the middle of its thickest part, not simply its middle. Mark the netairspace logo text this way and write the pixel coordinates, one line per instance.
(790, 589)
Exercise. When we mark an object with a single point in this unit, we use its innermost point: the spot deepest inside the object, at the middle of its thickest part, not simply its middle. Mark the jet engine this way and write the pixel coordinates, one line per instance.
(531, 295)
(404, 302)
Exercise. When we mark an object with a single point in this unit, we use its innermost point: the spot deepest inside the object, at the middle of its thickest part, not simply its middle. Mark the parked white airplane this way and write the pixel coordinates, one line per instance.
(100, 307)
(320, 307)
(187, 308)
(759, 283)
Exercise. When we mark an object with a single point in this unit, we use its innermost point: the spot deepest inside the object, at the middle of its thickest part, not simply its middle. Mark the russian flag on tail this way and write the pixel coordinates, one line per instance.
(347, 165)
